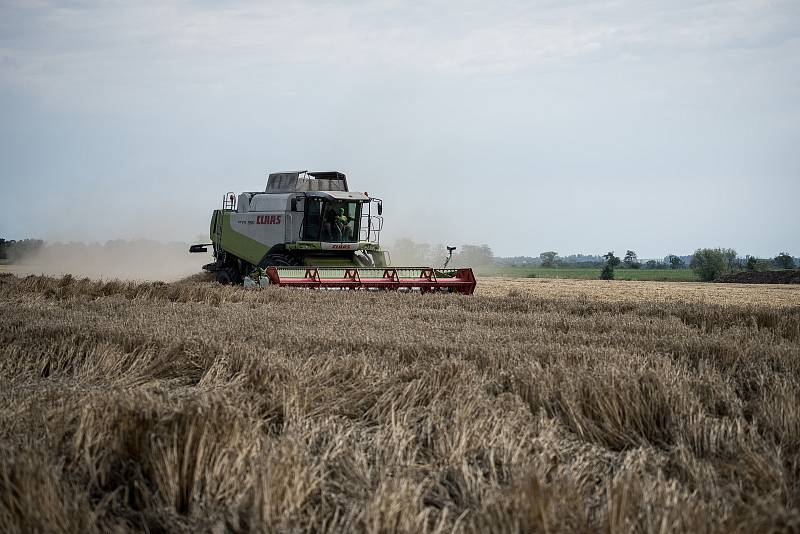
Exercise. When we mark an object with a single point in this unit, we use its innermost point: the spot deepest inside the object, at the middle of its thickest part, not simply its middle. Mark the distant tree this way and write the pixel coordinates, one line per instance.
(611, 259)
(548, 258)
(608, 269)
(675, 262)
(764, 265)
(16, 250)
(580, 260)
(477, 255)
(751, 263)
(709, 263)
(409, 252)
(436, 255)
(631, 260)
(730, 257)
(607, 273)
(651, 264)
(486, 254)
(784, 261)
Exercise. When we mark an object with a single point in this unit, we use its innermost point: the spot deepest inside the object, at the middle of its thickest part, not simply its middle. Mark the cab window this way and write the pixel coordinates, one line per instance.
(340, 221)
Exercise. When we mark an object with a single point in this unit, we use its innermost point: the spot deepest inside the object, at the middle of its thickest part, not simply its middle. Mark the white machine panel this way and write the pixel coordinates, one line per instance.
(269, 202)
(268, 228)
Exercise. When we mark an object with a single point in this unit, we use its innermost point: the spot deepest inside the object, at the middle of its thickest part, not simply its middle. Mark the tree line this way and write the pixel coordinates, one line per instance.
(707, 263)
(13, 250)
(552, 259)
(710, 263)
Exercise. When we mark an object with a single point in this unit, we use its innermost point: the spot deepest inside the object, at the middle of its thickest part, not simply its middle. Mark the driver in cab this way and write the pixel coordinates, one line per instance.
(345, 229)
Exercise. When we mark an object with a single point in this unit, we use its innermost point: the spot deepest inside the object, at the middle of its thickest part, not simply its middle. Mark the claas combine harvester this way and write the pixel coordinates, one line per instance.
(308, 230)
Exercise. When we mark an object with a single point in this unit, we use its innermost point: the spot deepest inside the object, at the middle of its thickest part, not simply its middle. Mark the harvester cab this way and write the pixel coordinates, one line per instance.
(308, 229)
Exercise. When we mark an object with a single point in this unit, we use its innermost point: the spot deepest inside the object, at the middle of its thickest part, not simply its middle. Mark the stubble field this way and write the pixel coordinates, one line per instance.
(533, 406)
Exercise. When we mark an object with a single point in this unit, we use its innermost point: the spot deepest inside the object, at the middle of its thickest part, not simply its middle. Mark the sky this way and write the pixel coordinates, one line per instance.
(569, 125)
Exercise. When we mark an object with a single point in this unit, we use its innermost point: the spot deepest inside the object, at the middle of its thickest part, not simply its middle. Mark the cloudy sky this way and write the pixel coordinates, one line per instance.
(568, 125)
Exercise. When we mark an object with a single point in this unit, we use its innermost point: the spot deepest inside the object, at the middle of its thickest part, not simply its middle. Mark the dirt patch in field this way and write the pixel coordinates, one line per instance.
(791, 276)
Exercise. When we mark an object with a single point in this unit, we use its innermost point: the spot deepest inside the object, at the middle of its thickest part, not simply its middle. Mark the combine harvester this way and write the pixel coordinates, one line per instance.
(308, 230)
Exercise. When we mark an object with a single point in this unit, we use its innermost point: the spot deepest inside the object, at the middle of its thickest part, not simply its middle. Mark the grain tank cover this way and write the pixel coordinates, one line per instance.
(300, 181)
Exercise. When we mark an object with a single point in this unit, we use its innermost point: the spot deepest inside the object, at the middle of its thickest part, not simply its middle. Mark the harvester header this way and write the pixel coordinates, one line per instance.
(425, 279)
(307, 229)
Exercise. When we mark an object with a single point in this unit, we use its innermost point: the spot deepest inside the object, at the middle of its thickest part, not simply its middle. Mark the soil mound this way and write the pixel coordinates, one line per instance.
(790, 276)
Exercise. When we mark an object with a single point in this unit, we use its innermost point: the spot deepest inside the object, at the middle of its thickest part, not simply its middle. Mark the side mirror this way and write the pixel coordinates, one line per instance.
(380, 208)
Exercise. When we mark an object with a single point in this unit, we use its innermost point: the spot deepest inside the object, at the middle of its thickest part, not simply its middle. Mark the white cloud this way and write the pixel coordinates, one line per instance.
(86, 44)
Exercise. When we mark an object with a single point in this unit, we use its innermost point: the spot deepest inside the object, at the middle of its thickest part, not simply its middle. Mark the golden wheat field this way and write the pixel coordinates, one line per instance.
(532, 406)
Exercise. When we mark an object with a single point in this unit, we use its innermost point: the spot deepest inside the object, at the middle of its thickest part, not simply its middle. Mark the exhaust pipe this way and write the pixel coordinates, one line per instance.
(449, 256)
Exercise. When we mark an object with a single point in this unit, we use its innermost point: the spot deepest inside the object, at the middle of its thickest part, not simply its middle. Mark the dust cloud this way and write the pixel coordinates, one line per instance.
(406, 251)
(138, 259)
(143, 259)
